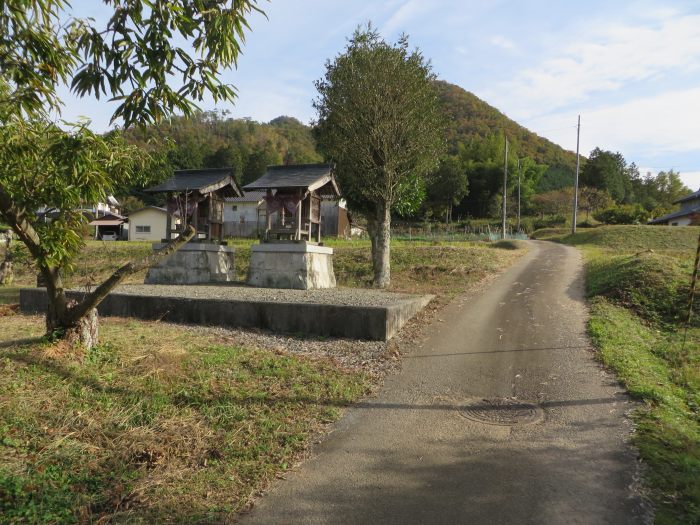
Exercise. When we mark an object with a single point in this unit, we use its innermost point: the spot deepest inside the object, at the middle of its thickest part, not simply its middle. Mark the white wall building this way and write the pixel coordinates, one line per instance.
(148, 224)
(241, 217)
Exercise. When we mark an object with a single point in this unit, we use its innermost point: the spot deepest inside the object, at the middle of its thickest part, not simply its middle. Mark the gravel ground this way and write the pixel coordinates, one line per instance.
(337, 296)
(373, 357)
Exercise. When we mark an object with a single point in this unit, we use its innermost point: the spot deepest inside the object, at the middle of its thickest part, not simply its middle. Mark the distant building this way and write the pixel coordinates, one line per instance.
(94, 211)
(244, 216)
(110, 227)
(149, 224)
(688, 215)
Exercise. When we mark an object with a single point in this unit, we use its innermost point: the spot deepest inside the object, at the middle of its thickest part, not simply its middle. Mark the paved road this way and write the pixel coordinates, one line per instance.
(411, 456)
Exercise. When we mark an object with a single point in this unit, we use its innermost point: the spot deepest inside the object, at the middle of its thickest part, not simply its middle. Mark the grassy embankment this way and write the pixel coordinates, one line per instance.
(163, 424)
(638, 279)
(441, 268)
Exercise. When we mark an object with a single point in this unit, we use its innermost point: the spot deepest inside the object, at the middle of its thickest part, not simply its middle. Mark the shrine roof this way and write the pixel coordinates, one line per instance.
(313, 177)
(204, 181)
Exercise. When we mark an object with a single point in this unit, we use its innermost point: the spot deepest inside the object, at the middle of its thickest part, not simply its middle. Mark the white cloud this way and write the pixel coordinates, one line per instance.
(663, 124)
(408, 11)
(502, 42)
(605, 60)
(691, 179)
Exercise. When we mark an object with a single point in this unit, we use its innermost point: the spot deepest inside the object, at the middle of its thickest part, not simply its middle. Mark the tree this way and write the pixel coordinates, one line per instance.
(379, 121)
(592, 199)
(607, 171)
(130, 204)
(624, 214)
(448, 185)
(130, 58)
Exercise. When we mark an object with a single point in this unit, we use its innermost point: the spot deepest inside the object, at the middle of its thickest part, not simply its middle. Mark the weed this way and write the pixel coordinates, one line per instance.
(637, 278)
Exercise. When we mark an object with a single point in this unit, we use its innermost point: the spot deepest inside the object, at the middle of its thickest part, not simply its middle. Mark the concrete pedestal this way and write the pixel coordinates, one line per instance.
(194, 263)
(291, 265)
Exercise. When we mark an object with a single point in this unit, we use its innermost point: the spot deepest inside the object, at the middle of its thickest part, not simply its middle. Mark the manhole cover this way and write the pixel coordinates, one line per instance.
(502, 411)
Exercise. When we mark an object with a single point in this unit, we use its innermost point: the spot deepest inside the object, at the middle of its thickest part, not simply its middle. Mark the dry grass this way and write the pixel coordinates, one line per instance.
(169, 424)
(159, 423)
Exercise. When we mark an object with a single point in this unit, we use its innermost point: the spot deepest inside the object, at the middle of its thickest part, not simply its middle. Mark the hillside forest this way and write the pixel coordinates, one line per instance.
(467, 187)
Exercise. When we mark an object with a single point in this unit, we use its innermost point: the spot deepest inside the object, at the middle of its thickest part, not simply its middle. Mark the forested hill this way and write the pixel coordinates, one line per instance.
(470, 118)
(212, 139)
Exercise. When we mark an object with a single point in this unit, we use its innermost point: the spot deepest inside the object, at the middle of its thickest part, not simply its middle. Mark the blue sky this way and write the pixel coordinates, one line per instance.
(630, 68)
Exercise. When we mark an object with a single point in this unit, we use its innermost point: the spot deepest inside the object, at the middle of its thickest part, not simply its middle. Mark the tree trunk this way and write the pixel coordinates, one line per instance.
(6, 274)
(379, 229)
(83, 333)
(77, 322)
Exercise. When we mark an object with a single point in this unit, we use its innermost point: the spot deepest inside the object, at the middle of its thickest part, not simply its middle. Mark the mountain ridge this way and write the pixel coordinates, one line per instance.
(471, 117)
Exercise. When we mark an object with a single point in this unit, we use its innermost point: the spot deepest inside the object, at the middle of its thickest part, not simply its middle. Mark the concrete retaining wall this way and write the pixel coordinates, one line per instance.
(356, 322)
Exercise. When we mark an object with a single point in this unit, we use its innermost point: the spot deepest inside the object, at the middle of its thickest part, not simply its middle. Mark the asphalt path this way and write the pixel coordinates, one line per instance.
(500, 415)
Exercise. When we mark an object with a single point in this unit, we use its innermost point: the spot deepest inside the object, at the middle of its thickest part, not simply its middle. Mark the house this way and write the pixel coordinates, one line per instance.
(94, 211)
(688, 215)
(101, 209)
(244, 216)
(149, 224)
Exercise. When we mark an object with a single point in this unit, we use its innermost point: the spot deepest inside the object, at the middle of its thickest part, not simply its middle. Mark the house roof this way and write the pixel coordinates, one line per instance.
(692, 196)
(205, 180)
(156, 208)
(109, 219)
(249, 196)
(675, 215)
(313, 177)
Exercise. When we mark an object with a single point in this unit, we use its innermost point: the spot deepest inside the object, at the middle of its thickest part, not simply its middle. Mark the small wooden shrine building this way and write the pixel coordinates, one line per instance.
(293, 200)
(198, 196)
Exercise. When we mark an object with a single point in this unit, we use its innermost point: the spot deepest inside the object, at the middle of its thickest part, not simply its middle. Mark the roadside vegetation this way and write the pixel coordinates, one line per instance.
(638, 280)
(440, 268)
(163, 423)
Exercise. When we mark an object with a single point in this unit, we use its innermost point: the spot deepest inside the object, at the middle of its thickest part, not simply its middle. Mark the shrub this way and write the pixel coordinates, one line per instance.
(654, 286)
(625, 214)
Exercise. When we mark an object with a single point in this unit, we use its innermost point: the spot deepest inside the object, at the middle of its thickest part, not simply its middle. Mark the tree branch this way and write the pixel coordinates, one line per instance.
(19, 224)
(96, 297)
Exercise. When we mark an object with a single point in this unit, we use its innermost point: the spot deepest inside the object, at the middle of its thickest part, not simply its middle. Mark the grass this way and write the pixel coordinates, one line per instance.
(96, 262)
(667, 239)
(440, 268)
(444, 269)
(638, 280)
(162, 426)
(9, 294)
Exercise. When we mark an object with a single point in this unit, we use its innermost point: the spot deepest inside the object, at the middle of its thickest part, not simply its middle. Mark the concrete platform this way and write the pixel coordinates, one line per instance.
(344, 312)
(194, 263)
(300, 266)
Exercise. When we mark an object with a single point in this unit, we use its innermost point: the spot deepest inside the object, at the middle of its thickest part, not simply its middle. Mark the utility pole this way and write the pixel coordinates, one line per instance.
(578, 135)
(518, 195)
(505, 190)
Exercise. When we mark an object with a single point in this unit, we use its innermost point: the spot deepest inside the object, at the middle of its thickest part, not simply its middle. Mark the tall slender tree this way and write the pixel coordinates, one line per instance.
(379, 121)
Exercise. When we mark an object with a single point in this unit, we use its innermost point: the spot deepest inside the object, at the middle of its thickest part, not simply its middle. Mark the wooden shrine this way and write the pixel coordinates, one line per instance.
(290, 254)
(197, 197)
(293, 200)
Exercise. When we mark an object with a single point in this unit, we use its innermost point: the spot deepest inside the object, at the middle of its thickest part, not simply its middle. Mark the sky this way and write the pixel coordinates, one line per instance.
(631, 69)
